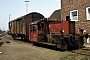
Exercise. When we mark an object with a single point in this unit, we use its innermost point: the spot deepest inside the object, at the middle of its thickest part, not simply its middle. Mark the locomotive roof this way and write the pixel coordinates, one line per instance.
(35, 22)
(44, 19)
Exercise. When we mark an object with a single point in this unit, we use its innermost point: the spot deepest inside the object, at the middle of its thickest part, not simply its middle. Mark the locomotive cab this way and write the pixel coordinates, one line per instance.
(37, 31)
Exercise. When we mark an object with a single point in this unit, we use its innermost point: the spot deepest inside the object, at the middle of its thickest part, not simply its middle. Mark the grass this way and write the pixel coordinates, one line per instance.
(56, 55)
(21, 42)
(50, 54)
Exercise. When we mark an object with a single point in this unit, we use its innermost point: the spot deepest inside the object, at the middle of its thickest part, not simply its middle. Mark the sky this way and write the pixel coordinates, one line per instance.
(17, 8)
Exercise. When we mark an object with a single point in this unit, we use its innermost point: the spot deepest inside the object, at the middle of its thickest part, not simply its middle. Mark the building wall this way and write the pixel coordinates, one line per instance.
(80, 5)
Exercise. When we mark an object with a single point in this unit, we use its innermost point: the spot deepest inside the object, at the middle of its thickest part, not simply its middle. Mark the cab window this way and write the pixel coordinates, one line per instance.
(33, 28)
(41, 26)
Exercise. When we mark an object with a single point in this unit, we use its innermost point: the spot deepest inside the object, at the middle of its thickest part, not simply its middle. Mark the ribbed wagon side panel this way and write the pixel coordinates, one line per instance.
(9, 26)
(15, 30)
(28, 20)
(17, 27)
(21, 26)
(24, 28)
(12, 27)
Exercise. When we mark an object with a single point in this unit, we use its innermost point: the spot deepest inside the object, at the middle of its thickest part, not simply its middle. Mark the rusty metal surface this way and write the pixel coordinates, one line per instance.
(67, 26)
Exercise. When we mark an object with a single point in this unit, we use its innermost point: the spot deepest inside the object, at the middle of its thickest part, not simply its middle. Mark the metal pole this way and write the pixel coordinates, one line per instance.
(22, 27)
(9, 17)
(27, 6)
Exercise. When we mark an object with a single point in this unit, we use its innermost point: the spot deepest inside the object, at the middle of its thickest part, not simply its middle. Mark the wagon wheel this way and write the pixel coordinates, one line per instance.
(14, 37)
(61, 45)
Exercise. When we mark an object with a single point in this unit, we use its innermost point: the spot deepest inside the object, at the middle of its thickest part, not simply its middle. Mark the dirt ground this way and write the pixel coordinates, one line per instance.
(17, 50)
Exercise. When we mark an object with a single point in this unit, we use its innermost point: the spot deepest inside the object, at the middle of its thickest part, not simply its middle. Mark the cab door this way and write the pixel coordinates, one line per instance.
(33, 37)
(41, 31)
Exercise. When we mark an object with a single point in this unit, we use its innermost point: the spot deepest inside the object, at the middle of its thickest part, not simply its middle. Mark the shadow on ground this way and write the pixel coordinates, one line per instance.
(1, 43)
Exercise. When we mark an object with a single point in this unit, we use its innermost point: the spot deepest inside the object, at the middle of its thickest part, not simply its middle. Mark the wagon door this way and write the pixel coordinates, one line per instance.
(33, 36)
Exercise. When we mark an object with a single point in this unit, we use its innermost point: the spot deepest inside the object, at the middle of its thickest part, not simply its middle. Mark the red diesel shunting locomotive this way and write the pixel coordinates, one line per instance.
(61, 34)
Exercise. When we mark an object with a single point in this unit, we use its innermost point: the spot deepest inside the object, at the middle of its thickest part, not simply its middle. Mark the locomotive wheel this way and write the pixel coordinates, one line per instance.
(61, 45)
(81, 42)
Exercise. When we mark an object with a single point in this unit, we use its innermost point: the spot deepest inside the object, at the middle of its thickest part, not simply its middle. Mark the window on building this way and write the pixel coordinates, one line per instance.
(88, 13)
(74, 15)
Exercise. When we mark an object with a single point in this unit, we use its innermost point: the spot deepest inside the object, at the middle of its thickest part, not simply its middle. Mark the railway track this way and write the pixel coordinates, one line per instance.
(83, 51)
